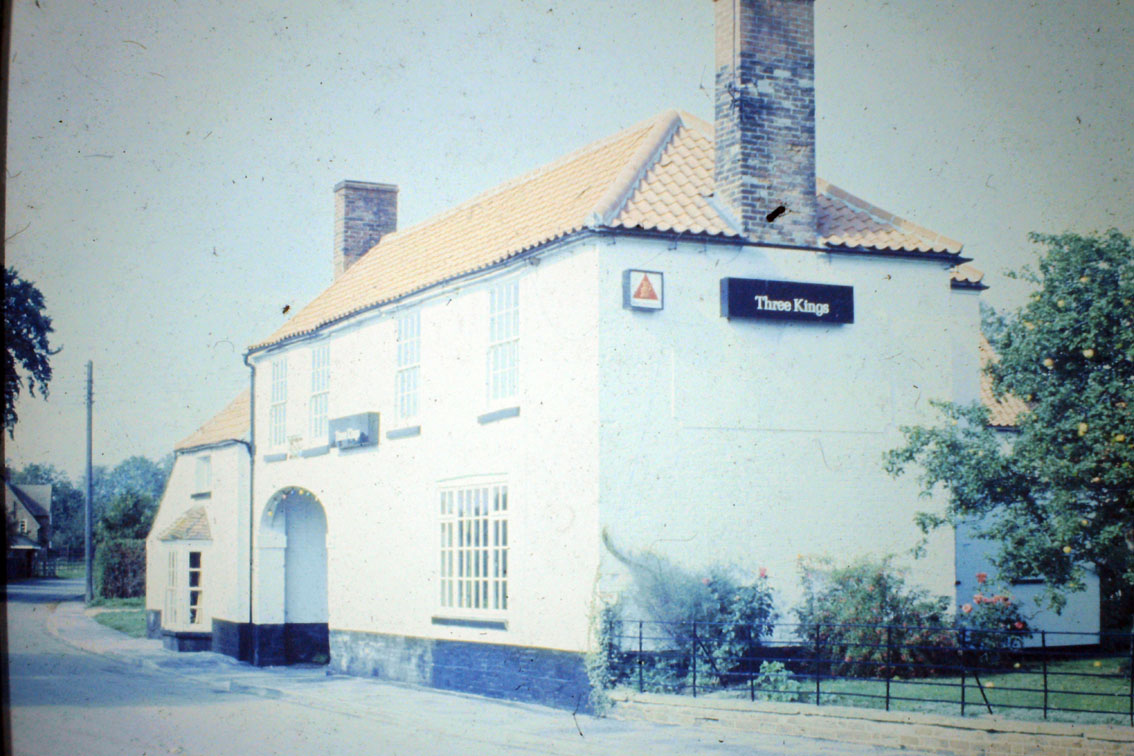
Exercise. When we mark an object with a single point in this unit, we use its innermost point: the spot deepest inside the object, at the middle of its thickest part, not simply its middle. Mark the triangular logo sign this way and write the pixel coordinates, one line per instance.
(645, 290)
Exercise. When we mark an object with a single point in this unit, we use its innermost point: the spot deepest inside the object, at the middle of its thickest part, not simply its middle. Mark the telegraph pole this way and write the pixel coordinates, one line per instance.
(89, 551)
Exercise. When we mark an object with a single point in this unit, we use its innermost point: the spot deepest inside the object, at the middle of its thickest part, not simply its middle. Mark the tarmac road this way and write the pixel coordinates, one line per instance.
(65, 700)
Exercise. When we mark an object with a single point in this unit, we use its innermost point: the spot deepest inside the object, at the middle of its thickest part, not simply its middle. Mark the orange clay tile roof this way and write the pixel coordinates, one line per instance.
(655, 176)
(966, 276)
(1005, 411)
(191, 526)
(230, 424)
(847, 221)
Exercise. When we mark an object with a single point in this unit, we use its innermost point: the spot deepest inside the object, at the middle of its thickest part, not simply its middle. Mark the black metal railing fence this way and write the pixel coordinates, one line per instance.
(975, 670)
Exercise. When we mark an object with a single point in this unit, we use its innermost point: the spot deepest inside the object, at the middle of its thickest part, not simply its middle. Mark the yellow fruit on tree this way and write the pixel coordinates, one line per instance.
(1088, 353)
(1066, 549)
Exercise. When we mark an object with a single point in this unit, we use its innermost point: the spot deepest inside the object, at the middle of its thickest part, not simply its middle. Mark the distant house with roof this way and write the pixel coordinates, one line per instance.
(28, 511)
(676, 339)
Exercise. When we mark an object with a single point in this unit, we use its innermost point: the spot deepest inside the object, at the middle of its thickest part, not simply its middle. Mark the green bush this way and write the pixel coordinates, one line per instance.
(776, 683)
(120, 568)
(845, 611)
(605, 664)
(710, 616)
(738, 617)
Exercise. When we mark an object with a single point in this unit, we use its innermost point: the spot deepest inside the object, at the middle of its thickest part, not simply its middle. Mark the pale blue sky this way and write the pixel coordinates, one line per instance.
(171, 164)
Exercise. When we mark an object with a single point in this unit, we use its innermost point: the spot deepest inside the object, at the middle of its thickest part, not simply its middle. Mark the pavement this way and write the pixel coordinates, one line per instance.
(312, 686)
(380, 710)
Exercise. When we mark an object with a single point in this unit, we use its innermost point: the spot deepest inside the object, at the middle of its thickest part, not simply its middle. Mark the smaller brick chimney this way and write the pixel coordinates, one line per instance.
(765, 117)
(364, 213)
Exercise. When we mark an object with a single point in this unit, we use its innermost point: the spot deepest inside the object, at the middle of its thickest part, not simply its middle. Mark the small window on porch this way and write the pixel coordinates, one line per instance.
(195, 592)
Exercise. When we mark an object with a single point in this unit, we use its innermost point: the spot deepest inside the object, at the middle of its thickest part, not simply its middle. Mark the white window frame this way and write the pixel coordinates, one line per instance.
(407, 379)
(319, 402)
(185, 607)
(277, 411)
(23, 526)
(203, 475)
(170, 611)
(473, 549)
(503, 358)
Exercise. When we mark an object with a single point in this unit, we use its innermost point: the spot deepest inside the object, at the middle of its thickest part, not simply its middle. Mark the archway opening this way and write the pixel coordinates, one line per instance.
(293, 557)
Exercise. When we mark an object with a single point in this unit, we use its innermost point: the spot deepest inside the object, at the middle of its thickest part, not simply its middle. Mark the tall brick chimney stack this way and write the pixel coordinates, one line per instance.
(765, 117)
(364, 213)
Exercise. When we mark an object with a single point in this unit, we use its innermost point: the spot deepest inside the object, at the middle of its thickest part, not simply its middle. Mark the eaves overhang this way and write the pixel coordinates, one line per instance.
(598, 231)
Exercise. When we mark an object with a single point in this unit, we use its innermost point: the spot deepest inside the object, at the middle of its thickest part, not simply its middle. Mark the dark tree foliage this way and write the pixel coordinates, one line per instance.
(127, 516)
(135, 474)
(1057, 497)
(26, 330)
(120, 568)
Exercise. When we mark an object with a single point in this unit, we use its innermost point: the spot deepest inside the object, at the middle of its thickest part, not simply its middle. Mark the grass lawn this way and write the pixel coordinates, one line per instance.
(129, 621)
(71, 570)
(1097, 684)
(119, 603)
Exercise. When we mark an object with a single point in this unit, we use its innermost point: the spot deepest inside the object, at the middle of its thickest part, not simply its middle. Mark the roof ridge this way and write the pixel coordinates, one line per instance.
(698, 124)
(30, 502)
(854, 202)
(635, 169)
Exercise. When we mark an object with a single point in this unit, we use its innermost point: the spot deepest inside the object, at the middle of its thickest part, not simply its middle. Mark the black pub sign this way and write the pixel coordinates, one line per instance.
(786, 300)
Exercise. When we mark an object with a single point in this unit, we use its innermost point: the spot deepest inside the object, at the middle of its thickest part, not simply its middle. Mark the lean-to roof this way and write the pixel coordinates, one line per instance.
(230, 424)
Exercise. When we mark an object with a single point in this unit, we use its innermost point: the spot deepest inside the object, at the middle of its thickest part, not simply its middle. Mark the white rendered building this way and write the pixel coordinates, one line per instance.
(197, 565)
(677, 338)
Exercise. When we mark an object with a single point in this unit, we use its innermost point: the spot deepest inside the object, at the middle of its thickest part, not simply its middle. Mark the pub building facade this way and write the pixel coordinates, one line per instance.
(676, 339)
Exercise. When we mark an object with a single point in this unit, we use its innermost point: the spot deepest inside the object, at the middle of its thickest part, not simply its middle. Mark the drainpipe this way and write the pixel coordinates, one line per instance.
(251, 487)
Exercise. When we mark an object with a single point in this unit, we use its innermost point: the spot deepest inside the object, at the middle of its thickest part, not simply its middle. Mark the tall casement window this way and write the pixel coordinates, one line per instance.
(320, 391)
(277, 417)
(184, 590)
(408, 380)
(204, 476)
(503, 340)
(171, 615)
(474, 549)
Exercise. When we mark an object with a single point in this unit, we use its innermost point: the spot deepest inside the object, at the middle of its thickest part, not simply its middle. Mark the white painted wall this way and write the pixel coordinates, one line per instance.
(753, 442)
(381, 502)
(225, 559)
(706, 440)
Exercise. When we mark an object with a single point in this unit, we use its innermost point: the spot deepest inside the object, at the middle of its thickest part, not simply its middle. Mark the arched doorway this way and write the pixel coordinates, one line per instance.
(292, 580)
